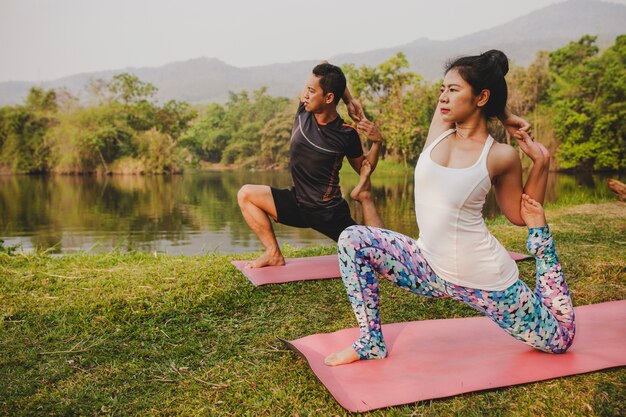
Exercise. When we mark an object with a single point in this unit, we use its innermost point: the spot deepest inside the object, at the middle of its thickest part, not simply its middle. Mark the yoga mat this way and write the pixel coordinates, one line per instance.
(305, 269)
(441, 358)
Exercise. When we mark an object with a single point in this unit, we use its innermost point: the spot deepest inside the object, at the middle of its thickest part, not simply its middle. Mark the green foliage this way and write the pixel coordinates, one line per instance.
(173, 118)
(275, 139)
(528, 86)
(129, 90)
(156, 150)
(122, 122)
(23, 130)
(589, 95)
(206, 138)
(232, 133)
(399, 101)
(87, 138)
(575, 98)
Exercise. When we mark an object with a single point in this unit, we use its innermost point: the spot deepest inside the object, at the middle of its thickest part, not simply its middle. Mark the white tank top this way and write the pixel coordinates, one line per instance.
(453, 236)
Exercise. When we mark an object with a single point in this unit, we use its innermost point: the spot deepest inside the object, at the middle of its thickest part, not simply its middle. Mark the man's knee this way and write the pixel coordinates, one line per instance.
(244, 194)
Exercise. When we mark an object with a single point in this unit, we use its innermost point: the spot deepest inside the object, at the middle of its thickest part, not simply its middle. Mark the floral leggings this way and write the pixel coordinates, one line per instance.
(543, 318)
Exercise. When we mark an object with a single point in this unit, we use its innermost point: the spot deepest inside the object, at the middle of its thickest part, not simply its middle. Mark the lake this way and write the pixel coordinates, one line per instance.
(195, 213)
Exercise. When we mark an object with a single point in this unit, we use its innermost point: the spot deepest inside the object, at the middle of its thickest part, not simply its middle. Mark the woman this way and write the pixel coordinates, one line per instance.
(455, 255)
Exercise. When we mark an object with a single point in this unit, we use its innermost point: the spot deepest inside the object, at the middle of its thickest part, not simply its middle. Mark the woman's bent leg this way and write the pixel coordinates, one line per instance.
(366, 252)
(551, 287)
(543, 319)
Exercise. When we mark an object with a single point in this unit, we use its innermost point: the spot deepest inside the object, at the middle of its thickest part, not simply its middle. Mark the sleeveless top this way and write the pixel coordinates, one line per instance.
(453, 237)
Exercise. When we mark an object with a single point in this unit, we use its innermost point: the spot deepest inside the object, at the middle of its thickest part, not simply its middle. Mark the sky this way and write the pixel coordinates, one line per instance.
(42, 40)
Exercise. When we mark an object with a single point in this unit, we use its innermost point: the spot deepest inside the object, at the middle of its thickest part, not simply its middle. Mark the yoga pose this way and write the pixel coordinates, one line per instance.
(455, 255)
(319, 141)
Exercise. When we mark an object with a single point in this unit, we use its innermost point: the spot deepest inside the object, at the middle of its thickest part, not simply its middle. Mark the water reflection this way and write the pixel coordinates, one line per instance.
(194, 213)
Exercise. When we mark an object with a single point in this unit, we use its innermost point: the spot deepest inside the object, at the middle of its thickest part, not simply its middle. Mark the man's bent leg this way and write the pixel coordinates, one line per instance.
(363, 194)
(370, 213)
(256, 203)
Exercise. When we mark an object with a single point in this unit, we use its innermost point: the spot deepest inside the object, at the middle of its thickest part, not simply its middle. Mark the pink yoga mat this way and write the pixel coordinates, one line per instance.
(305, 269)
(440, 358)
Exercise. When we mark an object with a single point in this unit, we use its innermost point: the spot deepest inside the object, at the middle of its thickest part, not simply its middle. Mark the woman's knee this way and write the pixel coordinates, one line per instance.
(353, 236)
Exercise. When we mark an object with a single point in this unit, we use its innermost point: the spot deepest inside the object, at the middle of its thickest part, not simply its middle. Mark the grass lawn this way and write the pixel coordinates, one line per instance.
(135, 334)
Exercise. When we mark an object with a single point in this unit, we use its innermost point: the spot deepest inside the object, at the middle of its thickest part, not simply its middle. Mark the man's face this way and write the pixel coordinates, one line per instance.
(314, 98)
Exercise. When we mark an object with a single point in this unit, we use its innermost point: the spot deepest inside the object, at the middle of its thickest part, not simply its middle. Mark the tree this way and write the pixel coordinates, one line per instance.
(157, 151)
(398, 100)
(23, 130)
(232, 133)
(588, 94)
(275, 140)
(130, 90)
(529, 86)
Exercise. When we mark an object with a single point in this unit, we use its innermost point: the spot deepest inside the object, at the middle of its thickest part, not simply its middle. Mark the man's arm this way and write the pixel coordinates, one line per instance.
(355, 110)
(371, 131)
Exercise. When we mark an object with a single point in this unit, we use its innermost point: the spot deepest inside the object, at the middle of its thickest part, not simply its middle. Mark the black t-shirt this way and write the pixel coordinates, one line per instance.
(316, 155)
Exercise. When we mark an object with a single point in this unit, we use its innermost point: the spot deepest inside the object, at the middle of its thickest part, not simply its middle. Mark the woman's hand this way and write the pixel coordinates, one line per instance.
(513, 123)
(535, 151)
(370, 130)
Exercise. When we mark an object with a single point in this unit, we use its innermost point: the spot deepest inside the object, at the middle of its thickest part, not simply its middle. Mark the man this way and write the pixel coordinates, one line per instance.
(319, 141)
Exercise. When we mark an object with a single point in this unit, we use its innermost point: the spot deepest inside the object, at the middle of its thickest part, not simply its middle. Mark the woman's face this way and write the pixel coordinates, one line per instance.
(457, 101)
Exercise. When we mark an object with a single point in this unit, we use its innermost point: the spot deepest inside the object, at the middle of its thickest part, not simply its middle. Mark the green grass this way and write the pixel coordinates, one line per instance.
(384, 167)
(134, 334)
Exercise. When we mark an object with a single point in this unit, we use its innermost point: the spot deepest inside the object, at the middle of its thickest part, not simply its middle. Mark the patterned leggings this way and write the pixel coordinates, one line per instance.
(543, 319)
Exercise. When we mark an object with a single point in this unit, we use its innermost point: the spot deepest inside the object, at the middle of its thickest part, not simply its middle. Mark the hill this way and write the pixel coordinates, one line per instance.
(209, 79)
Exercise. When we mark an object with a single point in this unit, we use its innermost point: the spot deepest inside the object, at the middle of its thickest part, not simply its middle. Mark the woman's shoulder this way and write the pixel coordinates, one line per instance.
(502, 156)
(503, 150)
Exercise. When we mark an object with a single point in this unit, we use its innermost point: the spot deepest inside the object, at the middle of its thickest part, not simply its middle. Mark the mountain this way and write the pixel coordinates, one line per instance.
(546, 29)
(209, 79)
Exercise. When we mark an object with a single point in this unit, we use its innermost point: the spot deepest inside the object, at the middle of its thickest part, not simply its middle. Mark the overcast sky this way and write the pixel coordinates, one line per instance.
(47, 39)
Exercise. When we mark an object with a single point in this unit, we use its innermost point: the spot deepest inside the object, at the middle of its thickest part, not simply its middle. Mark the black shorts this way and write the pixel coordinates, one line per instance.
(328, 221)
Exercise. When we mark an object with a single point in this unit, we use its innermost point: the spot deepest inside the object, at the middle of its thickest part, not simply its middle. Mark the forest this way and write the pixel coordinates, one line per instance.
(575, 98)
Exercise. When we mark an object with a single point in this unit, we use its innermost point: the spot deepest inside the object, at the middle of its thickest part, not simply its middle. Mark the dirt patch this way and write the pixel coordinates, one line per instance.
(617, 209)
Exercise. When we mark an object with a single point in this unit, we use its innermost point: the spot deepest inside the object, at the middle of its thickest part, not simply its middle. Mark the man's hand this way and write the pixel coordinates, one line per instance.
(355, 110)
(370, 130)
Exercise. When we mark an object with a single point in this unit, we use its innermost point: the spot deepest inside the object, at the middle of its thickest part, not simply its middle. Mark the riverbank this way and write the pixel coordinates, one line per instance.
(138, 334)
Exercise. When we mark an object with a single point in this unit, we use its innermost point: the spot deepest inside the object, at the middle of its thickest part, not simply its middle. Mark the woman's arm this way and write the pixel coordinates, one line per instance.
(537, 180)
(437, 126)
(506, 169)
(513, 123)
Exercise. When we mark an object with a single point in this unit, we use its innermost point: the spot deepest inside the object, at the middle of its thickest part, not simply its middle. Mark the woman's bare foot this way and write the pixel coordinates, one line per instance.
(532, 212)
(342, 357)
(363, 188)
(269, 258)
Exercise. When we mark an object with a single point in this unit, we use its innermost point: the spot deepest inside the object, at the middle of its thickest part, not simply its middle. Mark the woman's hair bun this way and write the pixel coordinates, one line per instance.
(499, 58)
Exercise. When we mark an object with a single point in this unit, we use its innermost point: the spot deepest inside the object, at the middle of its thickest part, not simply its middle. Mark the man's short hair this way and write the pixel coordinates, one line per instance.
(332, 80)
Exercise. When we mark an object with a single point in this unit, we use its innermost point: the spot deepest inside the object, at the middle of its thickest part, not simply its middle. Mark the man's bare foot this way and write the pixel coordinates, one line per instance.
(364, 187)
(532, 212)
(267, 259)
(347, 355)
